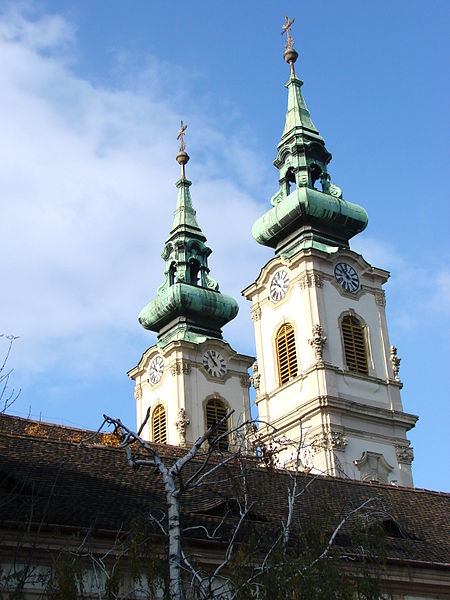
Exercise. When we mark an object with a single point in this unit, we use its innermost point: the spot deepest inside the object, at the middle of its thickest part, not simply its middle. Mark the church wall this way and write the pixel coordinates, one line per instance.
(185, 384)
(315, 298)
(304, 308)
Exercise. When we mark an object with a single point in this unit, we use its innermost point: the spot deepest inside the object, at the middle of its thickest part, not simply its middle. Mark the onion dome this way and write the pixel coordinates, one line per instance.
(308, 210)
(188, 305)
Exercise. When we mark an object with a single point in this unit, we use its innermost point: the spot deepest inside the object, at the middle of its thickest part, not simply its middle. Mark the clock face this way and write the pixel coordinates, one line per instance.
(347, 277)
(156, 369)
(214, 363)
(279, 286)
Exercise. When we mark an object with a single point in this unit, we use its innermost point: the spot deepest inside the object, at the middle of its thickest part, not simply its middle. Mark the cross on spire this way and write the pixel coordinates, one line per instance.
(180, 136)
(286, 29)
(182, 156)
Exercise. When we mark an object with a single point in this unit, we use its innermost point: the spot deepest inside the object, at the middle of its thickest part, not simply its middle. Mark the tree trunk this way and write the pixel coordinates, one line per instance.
(173, 512)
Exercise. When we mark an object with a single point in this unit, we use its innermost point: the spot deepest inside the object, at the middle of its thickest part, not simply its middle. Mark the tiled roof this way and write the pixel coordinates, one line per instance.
(45, 470)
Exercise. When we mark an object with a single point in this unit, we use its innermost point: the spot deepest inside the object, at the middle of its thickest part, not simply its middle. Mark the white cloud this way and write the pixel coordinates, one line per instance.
(440, 300)
(378, 252)
(421, 293)
(87, 177)
(43, 32)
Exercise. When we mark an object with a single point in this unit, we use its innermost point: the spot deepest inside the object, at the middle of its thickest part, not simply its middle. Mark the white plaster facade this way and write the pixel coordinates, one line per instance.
(345, 417)
(186, 385)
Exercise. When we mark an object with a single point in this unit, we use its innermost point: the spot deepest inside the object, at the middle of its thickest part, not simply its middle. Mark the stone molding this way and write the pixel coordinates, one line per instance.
(319, 442)
(338, 440)
(317, 342)
(404, 453)
(180, 366)
(256, 313)
(373, 466)
(380, 298)
(262, 398)
(310, 279)
(331, 440)
(245, 381)
(137, 392)
(339, 404)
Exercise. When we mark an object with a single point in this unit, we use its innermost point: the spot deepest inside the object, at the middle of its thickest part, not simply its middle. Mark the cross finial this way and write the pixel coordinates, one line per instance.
(286, 29)
(182, 156)
(180, 136)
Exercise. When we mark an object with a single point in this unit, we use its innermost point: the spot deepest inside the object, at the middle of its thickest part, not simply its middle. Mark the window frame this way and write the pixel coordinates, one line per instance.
(365, 339)
(291, 376)
(219, 399)
(159, 409)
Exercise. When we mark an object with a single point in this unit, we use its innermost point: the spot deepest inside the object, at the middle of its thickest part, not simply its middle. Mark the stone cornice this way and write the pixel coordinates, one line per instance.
(273, 264)
(368, 411)
(174, 347)
(343, 406)
(184, 367)
(322, 365)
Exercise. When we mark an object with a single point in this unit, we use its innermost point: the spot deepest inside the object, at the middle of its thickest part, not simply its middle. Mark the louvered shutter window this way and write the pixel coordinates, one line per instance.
(159, 426)
(215, 411)
(286, 353)
(354, 345)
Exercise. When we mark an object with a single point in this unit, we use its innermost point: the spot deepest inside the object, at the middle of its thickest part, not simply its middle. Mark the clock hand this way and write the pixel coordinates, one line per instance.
(215, 364)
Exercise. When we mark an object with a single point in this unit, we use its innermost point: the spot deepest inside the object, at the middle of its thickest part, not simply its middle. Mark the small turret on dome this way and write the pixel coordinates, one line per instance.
(188, 305)
(304, 216)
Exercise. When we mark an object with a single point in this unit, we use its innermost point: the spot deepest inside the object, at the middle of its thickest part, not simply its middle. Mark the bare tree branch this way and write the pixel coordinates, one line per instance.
(7, 396)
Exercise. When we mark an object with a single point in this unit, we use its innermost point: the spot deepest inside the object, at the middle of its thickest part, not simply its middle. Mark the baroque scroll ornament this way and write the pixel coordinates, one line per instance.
(245, 381)
(330, 440)
(180, 366)
(404, 454)
(310, 279)
(256, 313)
(380, 298)
(317, 342)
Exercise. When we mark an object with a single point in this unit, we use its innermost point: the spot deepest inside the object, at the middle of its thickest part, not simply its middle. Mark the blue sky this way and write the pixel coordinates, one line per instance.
(92, 95)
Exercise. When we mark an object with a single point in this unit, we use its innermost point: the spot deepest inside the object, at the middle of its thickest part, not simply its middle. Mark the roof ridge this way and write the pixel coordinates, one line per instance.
(171, 451)
(45, 423)
(364, 483)
(382, 485)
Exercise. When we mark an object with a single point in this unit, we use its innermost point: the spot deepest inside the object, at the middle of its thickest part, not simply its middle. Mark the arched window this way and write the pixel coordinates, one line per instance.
(215, 412)
(354, 345)
(173, 273)
(286, 353)
(159, 426)
(194, 269)
(290, 181)
(314, 172)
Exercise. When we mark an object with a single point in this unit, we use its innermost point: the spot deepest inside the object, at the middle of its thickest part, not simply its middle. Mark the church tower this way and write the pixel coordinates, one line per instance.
(191, 378)
(326, 373)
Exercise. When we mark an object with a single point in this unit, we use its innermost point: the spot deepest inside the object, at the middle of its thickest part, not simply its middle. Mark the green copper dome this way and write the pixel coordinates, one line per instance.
(188, 305)
(304, 216)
